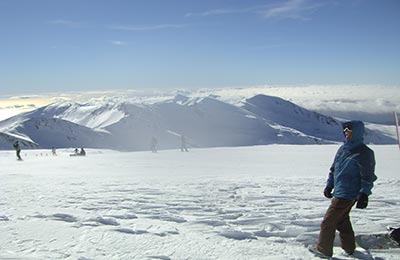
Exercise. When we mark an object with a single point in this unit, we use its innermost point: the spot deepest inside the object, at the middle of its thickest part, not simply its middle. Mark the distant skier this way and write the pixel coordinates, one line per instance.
(183, 144)
(153, 145)
(351, 178)
(53, 151)
(17, 150)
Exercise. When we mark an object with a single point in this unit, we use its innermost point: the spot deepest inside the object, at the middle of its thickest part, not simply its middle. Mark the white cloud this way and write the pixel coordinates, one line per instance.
(121, 43)
(218, 12)
(67, 23)
(292, 9)
(147, 27)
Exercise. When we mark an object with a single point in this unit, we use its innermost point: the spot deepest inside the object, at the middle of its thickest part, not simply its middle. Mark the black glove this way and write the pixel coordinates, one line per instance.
(328, 192)
(362, 201)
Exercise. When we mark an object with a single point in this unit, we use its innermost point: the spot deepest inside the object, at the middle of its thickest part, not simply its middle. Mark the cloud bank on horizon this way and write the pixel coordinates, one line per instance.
(369, 103)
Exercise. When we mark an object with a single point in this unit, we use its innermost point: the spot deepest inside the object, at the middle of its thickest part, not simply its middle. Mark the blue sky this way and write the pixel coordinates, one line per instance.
(82, 45)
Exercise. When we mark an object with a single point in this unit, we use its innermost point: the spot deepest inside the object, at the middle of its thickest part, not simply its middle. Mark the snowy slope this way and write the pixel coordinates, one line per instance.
(92, 115)
(285, 113)
(46, 132)
(206, 121)
(6, 141)
(49, 132)
(255, 203)
(210, 122)
(136, 129)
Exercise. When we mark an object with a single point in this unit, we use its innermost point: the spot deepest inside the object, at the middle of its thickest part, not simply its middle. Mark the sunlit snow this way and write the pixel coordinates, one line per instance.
(257, 202)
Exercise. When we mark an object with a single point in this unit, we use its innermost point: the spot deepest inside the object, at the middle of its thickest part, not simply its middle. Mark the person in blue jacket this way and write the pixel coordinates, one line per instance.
(351, 178)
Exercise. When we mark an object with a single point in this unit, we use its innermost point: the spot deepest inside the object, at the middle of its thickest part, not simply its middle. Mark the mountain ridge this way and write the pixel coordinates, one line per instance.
(204, 121)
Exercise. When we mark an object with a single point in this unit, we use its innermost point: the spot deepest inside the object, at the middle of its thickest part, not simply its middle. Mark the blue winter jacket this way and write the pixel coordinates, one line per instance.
(353, 170)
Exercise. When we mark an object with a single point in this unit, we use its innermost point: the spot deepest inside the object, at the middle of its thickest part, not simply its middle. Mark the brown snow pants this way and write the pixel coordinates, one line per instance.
(337, 218)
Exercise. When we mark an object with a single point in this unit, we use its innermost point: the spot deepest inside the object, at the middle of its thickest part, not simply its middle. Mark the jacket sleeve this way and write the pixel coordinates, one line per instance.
(329, 181)
(367, 171)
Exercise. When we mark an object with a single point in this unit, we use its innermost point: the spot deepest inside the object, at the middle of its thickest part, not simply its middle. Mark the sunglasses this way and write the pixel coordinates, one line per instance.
(347, 128)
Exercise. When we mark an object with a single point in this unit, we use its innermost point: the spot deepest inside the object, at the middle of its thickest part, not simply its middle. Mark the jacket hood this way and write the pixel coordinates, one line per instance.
(357, 135)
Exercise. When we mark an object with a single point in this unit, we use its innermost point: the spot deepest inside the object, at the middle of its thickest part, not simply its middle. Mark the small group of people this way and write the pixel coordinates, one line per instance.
(82, 152)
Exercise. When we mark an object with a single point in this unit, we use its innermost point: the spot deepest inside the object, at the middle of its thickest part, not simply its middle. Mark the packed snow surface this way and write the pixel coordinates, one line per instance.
(258, 202)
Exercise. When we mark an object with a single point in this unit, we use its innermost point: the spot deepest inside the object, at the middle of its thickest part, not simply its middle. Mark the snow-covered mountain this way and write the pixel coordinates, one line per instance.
(204, 121)
(285, 113)
(44, 132)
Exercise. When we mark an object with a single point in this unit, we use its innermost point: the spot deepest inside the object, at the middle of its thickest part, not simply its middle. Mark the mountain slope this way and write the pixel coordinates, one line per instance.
(6, 141)
(49, 132)
(285, 113)
(44, 132)
(92, 115)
